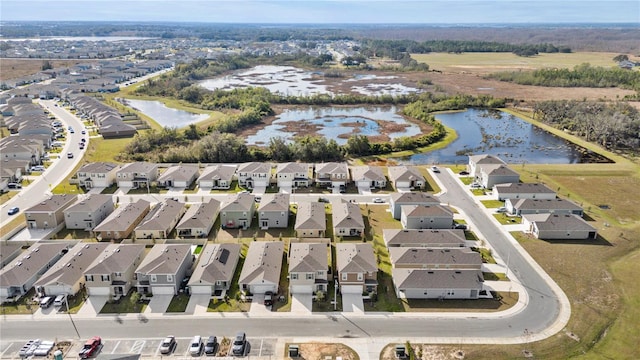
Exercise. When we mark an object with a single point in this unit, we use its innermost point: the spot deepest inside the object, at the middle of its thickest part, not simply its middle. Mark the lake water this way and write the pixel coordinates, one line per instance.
(332, 122)
(165, 116)
(498, 133)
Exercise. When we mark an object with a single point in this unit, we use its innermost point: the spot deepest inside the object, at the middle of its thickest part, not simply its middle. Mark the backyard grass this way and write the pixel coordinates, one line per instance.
(178, 303)
(106, 150)
(503, 301)
(491, 204)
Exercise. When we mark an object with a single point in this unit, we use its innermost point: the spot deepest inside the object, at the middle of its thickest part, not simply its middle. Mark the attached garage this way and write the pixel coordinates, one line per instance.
(125, 184)
(163, 290)
(262, 288)
(201, 290)
(351, 289)
(99, 291)
(302, 289)
(59, 289)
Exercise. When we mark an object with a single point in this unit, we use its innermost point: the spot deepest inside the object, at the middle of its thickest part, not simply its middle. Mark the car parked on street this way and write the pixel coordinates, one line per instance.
(69, 155)
(168, 345)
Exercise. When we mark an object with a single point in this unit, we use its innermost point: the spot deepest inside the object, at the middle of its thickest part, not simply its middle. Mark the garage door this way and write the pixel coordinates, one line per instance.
(204, 290)
(53, 290)
(351, 289)
(257, 183)
(261, 289)
(162, 290)
(302, 289)
(98, 291)
(364, 184)
(126, 184)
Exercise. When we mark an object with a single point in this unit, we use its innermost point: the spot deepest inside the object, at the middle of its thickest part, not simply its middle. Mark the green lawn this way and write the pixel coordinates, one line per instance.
(24, 305)
(507, 220)
(491, 204)
(467, 180)
(124, 305)
(178, 303)
(486, 254)
(489, 276)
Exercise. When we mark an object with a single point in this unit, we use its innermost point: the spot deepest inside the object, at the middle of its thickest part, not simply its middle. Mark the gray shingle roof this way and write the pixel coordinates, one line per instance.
(123, 216)
(217, 262)
(417, 257)
(200, 215)
(424, 238)
(274, 202)
(90, 203)
(413, 198)
(29, 263)
(71, 267)
(308, 257)
(164, 259)
(115, 258)
(162, 215)
(546, 204)
(311, 216)
(437, 279)
(263, 262)
(523, 188)
(347, 215)
(404, 173)
(355, 258)
(562, 222)
(183, 172)
(54, 203)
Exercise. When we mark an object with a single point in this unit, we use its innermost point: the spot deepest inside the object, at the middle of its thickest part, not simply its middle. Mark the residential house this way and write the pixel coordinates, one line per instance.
(308, 267)
(218, 176)
(215, 269)
(97, 174)
(419, 283)
(435, 259)
(66, 277)
(262, 266)
(199, 219)
(18, 277)
(426, 217)
(237, 211)
(113, 271)
(542, 206)
(522, 191)
(179, 176)
(397, 200)
(30, 152)
(491, 175)
(332, 175)
(427, 238)
(406, 177)
(357, 268)
(120, 223)
(368, 177)
(89, 211)
(163, 269)
(559, 227)
(273, 211)
(311, 220)
(254, 174)
(136, 175)
(347, 219)
(161, 220)
(9, 250)
(13, 170)
(294, 175)
(49, 214)
(476, 161)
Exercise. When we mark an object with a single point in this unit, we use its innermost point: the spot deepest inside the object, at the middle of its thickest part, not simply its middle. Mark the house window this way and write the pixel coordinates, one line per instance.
(309, 276)
(153, 278)
(118, 274)
(169, 277)
(277, 222)
(344, 276)
(106, 278)
(320, 273)
(359, 276)
(88, 277)
(294, 276)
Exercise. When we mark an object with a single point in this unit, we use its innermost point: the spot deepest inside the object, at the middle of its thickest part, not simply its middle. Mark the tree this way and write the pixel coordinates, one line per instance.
(46, 65)
(621, 58)
(279, 150)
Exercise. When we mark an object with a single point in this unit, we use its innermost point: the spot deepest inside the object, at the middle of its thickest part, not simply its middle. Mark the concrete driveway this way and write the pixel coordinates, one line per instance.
(259, 190)
(198, 304)
(364, 190)
(302, 303)
(257, 305)
(352, 303)
(158, 304)
(93, 305)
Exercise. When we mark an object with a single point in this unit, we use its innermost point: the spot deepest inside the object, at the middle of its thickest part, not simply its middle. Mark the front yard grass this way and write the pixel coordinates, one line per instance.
(507, 220)
(487, 256)
(490, 204)
(125, 305)
(467, 180)
(24, 305)
(502, 301)
(178, 303)
(4, 197)
(490, 276)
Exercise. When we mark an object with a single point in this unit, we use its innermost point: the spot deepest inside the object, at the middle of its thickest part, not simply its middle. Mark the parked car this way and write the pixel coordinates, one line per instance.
(463, 173)
(71, 131)
(13, 185)
(46, 301)
(476, 186)
(168, 345)
(268, 298)
(323, 200)
(460, 226)
(91, 347)
(435, 169)
(378, 200)
(83, 132)
(501, 210)
(37, 168)
(195, 349)
(258, 199)
(211, 346)
(59, 301)
(239, 346)
(14, 210)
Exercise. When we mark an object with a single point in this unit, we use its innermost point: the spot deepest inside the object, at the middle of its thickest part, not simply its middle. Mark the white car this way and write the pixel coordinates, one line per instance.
(378, 200)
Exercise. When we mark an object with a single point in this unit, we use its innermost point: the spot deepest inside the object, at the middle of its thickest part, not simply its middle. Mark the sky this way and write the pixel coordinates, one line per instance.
(327, 11)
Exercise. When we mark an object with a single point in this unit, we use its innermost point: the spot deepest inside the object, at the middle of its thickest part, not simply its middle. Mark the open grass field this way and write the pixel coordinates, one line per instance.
(15, 68)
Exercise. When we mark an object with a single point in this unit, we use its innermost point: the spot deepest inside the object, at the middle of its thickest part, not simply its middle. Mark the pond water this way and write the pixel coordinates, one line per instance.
(498, 133)
(336, 123)
(163, 115)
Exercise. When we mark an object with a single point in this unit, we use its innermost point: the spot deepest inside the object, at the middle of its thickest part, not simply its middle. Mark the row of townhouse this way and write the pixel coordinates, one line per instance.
(64, 268)
(109, 121)
(249, 175)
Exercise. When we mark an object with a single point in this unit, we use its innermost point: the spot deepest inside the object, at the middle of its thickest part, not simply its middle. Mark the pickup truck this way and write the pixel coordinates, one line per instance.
(91, 347)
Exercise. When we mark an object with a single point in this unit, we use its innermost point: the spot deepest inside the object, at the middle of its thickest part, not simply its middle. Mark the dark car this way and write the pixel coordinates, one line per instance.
(463, 173)
(268, 298)
(460, 226)
(239, 346)
(211, 346)
(168, 345)
(14, 210)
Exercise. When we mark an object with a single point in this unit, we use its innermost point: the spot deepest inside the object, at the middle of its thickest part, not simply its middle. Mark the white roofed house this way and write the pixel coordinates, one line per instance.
(237, 211)
(559, 227)
(311, 220)
(254, 174)
(137, 174)
(179, 176)
(120, 223)
(347, 219)
(368, 177)
(426, 217)
(273, 211)
(97, 174)
(219, 176)
(308, 268)
(406, 177)
(89, 211)
(199, 219)
(113, 271)
(66, 277)
(214, 271)
(161, 220)
(397, 200)
(262, 266)
(163, 269)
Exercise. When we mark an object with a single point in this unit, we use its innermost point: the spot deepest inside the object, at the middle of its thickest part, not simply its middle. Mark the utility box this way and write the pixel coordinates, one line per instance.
(294, 351)
(57, 355)
(401, 352)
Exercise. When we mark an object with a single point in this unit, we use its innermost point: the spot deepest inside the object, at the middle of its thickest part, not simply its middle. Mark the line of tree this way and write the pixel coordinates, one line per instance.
(583, 75)
(614, 126)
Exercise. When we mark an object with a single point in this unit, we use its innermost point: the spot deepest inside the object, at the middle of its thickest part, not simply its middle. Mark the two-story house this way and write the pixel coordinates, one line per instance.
(522, 191)
(311, 220)
(97, 174)
(137, 175)
(477, 161)
(113, 271)
(426, 217)
(254, 174)
(261, 270)
(397, 200)
(89, 211)
(199, 219)
(161, 220)
(440, 238)
(332, 175)
(121, 222)
(406, 177)
(163, 269)
(357, 268)
(308, 267)
(49, 214)
(214, 271)
(219, 176)
(273, 211)
(236, 211)
(293, 175)
(491, 175)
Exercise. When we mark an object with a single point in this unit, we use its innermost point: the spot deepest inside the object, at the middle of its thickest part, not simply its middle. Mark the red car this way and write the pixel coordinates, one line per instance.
(91, 347)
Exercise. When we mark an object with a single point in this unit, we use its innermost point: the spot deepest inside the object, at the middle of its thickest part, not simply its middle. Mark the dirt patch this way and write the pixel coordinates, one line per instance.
(421, 352)
(318, 351)
(16, 68)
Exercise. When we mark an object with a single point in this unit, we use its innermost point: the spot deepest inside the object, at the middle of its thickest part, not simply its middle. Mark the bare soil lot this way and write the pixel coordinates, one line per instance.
(15, 68)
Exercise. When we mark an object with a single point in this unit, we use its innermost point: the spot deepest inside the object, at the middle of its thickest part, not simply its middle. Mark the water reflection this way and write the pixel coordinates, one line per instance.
(502, 134)
(165, 116)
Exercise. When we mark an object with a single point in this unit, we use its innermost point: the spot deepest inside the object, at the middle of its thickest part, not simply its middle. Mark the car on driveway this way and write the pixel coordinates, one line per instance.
(435, 169)
(463, 173)
(211, 346)
(168, 345)
(37, 168)
(14, 210)
(501, 210)
(46, 301)
(268, 298)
